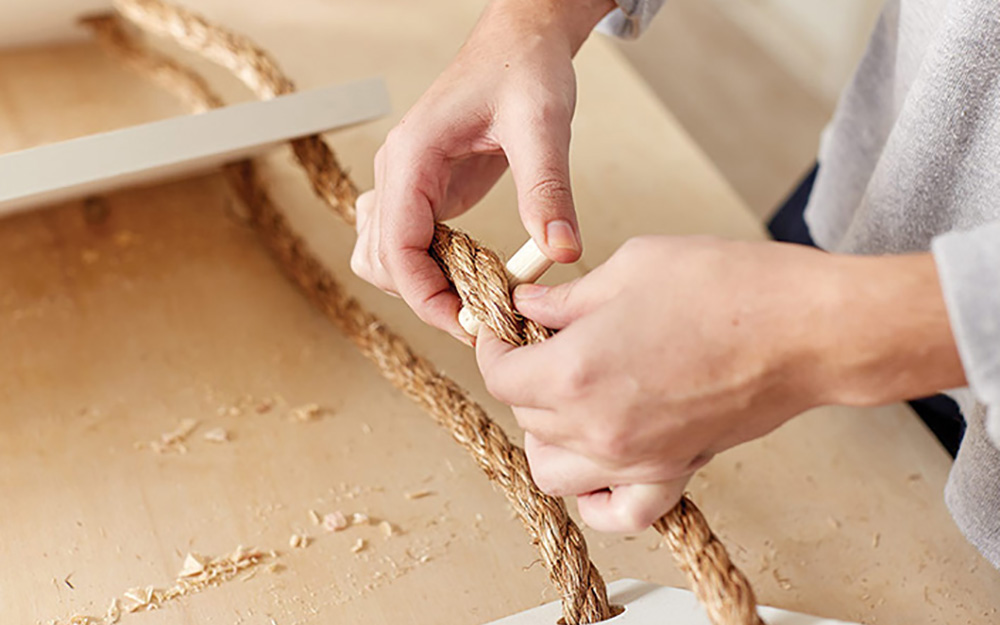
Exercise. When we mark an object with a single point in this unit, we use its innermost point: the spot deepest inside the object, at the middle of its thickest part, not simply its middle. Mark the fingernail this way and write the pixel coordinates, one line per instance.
(559, 234)
(530, 291)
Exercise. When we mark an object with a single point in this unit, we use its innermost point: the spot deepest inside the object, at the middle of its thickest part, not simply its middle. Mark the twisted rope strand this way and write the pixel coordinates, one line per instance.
(479, 277)
(562, 546)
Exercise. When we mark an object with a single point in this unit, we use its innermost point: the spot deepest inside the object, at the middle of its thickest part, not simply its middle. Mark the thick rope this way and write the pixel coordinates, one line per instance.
(479, 278)
(560, 542)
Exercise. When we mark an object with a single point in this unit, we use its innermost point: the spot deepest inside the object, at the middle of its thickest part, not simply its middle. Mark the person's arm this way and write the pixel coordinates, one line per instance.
(507, 99)
(678, 348)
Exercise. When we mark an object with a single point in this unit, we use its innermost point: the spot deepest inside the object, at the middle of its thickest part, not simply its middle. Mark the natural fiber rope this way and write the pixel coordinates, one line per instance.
(479, 278)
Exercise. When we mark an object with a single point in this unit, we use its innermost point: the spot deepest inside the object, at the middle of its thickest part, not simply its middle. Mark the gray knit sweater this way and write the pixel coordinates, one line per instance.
(911, 163)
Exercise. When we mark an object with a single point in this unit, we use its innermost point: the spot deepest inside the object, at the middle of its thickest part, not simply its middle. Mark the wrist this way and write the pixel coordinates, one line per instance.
(885, 335)
(571, 20)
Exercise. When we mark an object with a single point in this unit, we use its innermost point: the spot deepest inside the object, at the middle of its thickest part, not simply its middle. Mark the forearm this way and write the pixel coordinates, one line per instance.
(570, 20)
(885, 335)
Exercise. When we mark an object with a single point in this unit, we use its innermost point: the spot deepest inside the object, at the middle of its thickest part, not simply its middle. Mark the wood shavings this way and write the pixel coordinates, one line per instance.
(194, 564)
(216, 435)
(213, 572)
(359, 545)
(230, 411)
(360, 518)
(876, 539)
(335, 521)
(306, 413)
(298, 541)
(174, 440)
(783, 582)
(315, 517)
(113, 613)
(387, 529)
(418, 494)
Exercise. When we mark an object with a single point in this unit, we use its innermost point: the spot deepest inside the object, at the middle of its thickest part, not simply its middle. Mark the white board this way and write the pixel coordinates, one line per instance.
(180, 146)
(649, 604)
(41, 22)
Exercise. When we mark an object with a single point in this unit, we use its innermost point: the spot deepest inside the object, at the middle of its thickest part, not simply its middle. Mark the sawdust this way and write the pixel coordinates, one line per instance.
(360, 518)
(307, 413)
(388, 529)
(335, 521)
(197, 573)
(418, 494)
(174, 440)
(217, 435)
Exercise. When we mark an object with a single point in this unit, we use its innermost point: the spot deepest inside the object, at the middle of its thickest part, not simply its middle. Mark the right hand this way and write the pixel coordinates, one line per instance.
(507, 98)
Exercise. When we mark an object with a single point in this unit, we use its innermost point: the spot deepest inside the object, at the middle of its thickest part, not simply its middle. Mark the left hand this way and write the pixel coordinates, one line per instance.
(678, 348)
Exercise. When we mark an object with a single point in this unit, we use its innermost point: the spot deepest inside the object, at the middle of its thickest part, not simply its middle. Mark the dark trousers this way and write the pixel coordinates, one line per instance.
(939, 412)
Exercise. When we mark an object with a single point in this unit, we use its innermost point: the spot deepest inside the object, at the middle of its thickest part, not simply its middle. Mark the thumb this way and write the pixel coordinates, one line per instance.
(539, 163)
(555, 306)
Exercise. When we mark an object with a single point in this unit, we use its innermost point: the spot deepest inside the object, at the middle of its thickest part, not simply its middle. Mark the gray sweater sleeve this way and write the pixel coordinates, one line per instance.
(968, 264)
(630, 18)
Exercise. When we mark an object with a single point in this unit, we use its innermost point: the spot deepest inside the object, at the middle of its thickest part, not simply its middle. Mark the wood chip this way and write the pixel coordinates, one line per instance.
(113, 613)
(230, 411)
(360, 518)
(298, 541)
(418, 494)
(315, 517)
(194, 564)
(173, 441)
(213, 572)
(216, 435)
(306, 413)
(387, 529)
(335, 521)
(360, 545)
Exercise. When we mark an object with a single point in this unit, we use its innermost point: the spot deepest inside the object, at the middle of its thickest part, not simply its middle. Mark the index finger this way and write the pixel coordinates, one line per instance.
(517, 376)
(406, 191)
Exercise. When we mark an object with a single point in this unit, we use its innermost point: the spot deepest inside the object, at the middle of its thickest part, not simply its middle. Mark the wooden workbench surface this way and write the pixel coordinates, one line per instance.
(123, 315)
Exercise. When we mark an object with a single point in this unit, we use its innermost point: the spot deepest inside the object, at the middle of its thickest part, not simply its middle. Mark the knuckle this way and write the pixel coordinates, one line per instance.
(637, 245)
(612, 443)
(633, 520)
(383, 257)
(547, 481)
(358, 264)
(550, 110)
(551, 188)
(575, 378)
(496, 387)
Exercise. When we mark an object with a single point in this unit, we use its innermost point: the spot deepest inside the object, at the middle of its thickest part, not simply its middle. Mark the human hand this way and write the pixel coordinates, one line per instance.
(508, 97)
(679, 348)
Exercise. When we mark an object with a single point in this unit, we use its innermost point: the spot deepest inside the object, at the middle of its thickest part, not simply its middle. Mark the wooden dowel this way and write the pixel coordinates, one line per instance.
(526, 266)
